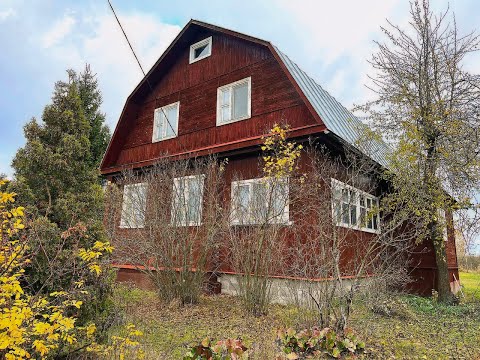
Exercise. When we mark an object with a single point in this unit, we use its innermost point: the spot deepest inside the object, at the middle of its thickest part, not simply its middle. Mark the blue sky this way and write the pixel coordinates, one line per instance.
(331, 40)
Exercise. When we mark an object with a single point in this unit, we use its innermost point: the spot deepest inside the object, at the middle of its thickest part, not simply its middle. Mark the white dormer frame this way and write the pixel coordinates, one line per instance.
(207, 41)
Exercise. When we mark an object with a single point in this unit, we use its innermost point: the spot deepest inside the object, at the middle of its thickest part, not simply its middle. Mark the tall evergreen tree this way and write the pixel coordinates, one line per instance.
(91, 99)
(56, 179)
(58, 167)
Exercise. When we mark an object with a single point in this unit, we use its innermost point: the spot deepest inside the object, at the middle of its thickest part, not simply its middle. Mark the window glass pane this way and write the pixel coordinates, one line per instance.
(171, 125)
(280, 200)
(225, 97)
(159, 119)
(194, 200)
(363, 212)
(345, 207)
(142, 204)
(369, 203)
(370, 215)
(126, 207)
(179, 206)
(201, 51)
(240, 101)
(259, 202)
(353, 214)
(337, 205)
(345, 214)
(226, 113)
(242, 202)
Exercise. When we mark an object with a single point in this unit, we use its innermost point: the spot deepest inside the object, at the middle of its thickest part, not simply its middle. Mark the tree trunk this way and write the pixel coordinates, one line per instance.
(445, 294)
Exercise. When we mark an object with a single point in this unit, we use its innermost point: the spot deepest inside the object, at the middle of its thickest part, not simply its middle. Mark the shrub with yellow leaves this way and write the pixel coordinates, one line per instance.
(280, 156)
(34, 326)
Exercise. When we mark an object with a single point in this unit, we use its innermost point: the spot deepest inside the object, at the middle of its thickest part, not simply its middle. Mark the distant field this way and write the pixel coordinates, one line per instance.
(470, 284)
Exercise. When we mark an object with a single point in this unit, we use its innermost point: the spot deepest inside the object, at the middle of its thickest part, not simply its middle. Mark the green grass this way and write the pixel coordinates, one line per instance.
(470, 282)
(425, 330)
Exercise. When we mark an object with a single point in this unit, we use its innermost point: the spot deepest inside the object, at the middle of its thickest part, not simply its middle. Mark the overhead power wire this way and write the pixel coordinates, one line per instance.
(139, 64)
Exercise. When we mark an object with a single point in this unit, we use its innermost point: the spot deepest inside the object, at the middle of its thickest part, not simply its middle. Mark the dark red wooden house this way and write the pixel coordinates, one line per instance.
(220, 90)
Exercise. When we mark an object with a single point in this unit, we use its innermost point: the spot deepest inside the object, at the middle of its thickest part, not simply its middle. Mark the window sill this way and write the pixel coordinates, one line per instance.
(221, 123)
(192, 61)
(284, 223)
(162, 139)
(186, 225)
(131, 227)
(367, 230)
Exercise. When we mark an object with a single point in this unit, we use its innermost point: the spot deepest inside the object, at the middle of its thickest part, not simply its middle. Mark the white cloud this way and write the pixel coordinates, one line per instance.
(102, 45)
(5, 14)
(336, 28)
(58, 31)
(340, 37)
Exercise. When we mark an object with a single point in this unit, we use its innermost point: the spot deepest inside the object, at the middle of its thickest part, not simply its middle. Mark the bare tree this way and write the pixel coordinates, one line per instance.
(427, 106)
(343, 243)
(259, 220)
(170, 223)
(257, 237)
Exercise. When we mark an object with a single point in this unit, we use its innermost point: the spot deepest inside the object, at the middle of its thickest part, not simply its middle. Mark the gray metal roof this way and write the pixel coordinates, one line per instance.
(335, 116)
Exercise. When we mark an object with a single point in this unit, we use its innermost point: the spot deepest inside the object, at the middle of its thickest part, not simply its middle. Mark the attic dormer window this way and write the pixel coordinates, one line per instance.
(201, 50)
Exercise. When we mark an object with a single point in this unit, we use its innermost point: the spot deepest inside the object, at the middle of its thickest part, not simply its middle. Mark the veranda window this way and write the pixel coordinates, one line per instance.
(354, 208)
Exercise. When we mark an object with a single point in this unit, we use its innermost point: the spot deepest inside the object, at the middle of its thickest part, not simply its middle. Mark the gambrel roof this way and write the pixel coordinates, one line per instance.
(339, 121)
(336, 117)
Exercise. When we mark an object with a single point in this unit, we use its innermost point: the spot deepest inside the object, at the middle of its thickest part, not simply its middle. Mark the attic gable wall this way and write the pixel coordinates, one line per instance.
(274, 99)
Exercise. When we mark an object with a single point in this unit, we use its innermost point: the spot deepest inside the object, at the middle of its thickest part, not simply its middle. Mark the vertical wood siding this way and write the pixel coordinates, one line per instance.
(273, 99)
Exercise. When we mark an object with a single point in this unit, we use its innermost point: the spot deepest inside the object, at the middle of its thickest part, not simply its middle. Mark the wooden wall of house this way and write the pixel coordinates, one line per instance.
(248, 166)
(274, 99)
(423, 267)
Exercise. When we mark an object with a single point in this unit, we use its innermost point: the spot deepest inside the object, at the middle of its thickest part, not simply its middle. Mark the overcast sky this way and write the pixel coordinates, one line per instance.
(39, 40)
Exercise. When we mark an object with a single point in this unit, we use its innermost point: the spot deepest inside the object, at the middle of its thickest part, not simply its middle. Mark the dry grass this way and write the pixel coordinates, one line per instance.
(169, 330)
(429, 331)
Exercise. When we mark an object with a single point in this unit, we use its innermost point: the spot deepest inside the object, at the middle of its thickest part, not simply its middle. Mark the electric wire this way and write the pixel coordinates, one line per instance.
(140, 65)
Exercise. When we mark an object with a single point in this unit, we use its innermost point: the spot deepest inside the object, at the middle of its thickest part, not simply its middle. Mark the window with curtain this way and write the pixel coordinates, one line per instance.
(259, 201)
(134, 205)
(187, 200)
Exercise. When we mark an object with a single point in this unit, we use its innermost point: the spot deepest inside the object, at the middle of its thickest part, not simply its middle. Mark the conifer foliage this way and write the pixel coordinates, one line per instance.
(57, 181)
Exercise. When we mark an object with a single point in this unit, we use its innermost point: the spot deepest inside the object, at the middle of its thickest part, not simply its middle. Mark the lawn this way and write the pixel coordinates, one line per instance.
(470, 285)
(422, 330)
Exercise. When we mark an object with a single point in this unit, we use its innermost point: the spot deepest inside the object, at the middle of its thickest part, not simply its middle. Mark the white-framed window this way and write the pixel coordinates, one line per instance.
(134, 205)
(201, 50)
(187, 200)
(260, 201)
(354, 208)
(234, 101)
(165, 122)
